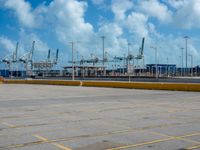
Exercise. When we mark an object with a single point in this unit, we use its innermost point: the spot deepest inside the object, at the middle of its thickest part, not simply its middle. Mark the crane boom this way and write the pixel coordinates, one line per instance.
(49, 55)
(15, 53)
(142, 47)
(57, 52)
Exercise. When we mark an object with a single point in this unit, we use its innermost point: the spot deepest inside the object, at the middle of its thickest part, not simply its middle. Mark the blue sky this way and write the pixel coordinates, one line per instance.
(54, 23)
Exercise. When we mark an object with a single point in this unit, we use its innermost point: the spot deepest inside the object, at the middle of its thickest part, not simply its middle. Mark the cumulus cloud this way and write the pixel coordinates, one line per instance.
(137, 24)
(156, 9)
(175, 3)
(119, 8)
(114, 42)
(6, 44)
(188, 15)
(64, 20)
(68, 18)
(23, 12)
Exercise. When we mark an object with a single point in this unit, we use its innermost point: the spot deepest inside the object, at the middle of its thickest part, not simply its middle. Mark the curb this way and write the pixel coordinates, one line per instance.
(194, 87)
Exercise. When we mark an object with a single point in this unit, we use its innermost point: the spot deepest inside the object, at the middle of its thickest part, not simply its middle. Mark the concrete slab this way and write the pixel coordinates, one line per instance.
(62, 117)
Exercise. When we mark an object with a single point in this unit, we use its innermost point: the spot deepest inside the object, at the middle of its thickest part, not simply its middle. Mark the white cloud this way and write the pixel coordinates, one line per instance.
(68, 18)
(137, 24)
(113, 38)
(6, 45)
(120, 7)
(154, 8)
(188, 15)
(23, 12)
(65, 21)
(175, 3)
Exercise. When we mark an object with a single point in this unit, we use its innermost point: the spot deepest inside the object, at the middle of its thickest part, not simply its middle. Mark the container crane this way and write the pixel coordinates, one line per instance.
(10, 59)
(141, 52)
(49, 55)
(27, 60)
(47, 64)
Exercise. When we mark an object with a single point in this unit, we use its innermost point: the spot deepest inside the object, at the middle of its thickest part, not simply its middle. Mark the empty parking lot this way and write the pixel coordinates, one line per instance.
(86, 118)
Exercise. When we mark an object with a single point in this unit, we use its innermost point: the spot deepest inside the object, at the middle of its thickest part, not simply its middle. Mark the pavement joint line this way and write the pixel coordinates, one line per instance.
(20, 126)
(169, 138)
(53, 143)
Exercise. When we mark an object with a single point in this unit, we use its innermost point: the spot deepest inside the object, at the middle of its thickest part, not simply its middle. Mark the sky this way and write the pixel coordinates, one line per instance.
(55, 23)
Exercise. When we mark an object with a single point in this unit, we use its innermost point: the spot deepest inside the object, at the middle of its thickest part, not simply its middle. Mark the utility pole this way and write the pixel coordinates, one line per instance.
(167, 66)
(191, 64)
(156, 59)
(182, 61)
(180, 66)
(103, 40)
(128, 57)
(129, 44)
(186, 44)
(124, 65)
(72, 59)
(73, 73)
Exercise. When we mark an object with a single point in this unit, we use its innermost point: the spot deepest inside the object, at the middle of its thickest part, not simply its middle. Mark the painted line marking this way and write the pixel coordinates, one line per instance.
(53, 143)
(141, 144)
(193, 147)
(9, 125)
(183, 138)
(169, 138)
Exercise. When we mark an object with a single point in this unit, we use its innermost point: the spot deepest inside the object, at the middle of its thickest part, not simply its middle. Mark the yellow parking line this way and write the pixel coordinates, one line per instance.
(193, 147)
(141, 144)
(9, 125)
(169, 138)
(189, 135)
(183, 138)
(40, 137)
(53, 143)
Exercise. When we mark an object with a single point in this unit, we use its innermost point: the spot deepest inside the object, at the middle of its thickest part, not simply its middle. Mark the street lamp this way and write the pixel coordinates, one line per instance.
(182, 61)
(180, 66)
(72, 43)
(186, 43)
(191, 64)
(167, 67)
(103, 47)
(156, 59)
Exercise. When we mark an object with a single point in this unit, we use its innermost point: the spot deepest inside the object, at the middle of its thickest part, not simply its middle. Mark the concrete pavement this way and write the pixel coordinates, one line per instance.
(86, 118)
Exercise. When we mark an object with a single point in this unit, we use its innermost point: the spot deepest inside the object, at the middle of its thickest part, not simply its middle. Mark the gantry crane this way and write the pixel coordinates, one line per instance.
(141, 52)
(11, 59)
(27, 60)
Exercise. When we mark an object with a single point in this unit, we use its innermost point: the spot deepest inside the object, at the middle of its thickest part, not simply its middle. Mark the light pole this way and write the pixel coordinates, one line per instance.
(180, 66)
(103, 48)
(156, 59)
(191, 64)
(128, 53)
(124, 65)
(72, 59)
(167, 66)
(186, 43)
(182, 61)
(103, 40)
(72, 43)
